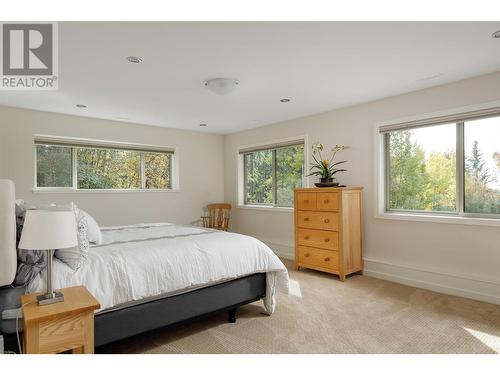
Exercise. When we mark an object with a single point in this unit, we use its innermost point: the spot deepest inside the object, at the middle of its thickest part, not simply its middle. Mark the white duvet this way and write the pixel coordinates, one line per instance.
(144, 261)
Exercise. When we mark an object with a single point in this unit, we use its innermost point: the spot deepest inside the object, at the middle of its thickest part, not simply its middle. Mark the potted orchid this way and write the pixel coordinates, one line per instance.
(326, 168)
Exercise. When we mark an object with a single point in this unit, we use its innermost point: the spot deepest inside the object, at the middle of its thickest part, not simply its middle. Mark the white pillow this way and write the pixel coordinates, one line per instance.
(93, 232)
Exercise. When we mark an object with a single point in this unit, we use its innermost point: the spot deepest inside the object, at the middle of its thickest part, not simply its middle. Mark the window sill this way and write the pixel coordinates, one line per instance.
(97, 191)
(444, 219)
(265, 208)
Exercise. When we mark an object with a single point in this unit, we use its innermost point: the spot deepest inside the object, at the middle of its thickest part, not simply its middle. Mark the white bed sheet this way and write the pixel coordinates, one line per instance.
(138, 262)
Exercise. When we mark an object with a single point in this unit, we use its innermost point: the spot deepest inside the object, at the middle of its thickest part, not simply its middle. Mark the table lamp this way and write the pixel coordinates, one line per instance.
(49, 230)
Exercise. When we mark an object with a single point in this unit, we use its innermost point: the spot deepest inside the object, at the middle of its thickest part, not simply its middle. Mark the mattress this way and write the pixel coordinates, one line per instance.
(137, 263)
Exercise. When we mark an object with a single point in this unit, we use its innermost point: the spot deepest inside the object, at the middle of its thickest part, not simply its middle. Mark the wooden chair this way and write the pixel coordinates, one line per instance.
(218, 216)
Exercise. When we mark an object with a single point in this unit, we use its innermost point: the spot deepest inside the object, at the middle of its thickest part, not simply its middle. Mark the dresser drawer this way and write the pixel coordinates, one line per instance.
(318, 238)
(327, 201)
(318, 220)
(306, 201)
(318, 257)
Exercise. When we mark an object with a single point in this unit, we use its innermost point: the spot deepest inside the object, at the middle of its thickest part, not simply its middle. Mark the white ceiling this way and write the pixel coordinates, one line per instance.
(319, 66)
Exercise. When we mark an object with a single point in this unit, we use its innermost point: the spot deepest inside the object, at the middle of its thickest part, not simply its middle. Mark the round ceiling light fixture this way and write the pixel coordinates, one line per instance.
(222, 86)
(284, 100)
(203, 124)
(81, 106)
(496, 34)
(134, 59)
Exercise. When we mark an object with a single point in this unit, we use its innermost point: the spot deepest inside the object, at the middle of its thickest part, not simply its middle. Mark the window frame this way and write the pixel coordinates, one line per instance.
(75, 144)
(273, 146)
(382, 192)
(459, 178)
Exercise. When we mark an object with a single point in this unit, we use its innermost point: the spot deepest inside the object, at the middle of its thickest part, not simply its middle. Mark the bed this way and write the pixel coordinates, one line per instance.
(148, 276)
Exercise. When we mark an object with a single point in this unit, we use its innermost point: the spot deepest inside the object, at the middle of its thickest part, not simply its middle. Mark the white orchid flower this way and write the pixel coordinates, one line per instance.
(316, 146)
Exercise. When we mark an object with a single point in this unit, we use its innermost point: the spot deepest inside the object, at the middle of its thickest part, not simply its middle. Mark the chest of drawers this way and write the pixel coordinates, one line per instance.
(328, 230)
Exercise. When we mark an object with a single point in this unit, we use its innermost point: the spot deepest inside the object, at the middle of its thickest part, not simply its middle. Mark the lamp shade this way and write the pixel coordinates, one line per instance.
(48, 230)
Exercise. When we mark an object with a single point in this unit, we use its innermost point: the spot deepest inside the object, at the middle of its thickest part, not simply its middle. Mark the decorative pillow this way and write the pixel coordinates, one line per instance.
(74, 257)
(29, 262)
(94, 232)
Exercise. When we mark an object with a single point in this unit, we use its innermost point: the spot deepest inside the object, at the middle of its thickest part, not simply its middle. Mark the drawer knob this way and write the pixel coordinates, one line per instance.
(306, 219)
(327, 201)
(306, 200)
(306, 237)
(327, 240)
(327, 221)
(306, 255)
(327, 259)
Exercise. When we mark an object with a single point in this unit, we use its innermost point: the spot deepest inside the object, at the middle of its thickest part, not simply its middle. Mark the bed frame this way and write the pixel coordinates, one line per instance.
(115, 325)
(129, 321)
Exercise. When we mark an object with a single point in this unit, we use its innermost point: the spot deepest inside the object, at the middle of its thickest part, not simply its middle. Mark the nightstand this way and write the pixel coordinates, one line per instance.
(62, 326)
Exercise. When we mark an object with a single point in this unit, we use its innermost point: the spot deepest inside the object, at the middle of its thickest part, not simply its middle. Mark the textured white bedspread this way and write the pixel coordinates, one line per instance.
(142, 261)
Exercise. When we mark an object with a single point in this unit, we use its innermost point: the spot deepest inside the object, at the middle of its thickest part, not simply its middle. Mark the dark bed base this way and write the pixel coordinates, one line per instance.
(130, 321)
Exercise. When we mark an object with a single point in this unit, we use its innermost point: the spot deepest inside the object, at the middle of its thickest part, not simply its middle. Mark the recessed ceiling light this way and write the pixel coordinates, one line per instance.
(222, 86)
(134, 59)
(284, 100)
(496, 34)
(203, 124)
(81, 106)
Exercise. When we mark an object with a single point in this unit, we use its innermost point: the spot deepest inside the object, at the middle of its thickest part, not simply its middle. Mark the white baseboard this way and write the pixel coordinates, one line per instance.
(466, 286)
(282, 250)
(455, 284)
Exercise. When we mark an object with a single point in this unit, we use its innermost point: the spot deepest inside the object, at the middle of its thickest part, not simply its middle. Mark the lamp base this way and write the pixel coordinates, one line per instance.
(49, 298)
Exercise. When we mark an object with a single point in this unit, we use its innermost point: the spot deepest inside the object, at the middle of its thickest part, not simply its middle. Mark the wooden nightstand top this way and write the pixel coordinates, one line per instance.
(77, 299)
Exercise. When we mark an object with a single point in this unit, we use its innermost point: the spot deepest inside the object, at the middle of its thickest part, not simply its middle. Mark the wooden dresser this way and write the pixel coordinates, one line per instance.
(328, 230)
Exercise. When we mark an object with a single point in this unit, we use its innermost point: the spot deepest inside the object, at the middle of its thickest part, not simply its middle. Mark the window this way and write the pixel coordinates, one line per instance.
(422, 169)
(92, 167)
(54, 166)
(271, 173)
(482, 166)
(259, 177)
(158, 170)
(450, 167)
(108, 169)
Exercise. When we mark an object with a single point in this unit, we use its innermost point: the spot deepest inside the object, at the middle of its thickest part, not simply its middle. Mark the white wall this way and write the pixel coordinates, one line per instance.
(200, 157)
(457, 259)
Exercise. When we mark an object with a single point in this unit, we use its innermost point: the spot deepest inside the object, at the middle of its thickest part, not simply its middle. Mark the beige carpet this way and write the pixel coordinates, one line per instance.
(323, 315)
